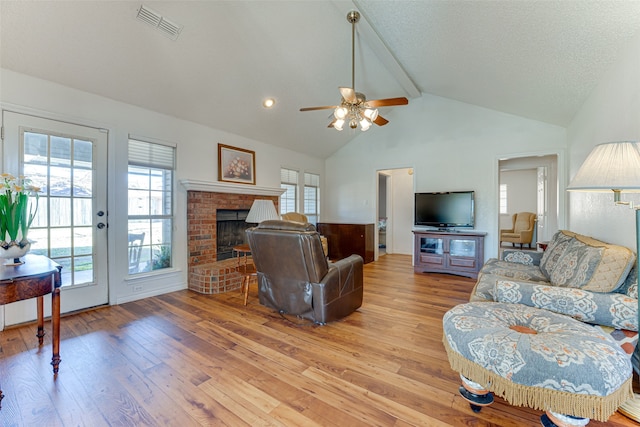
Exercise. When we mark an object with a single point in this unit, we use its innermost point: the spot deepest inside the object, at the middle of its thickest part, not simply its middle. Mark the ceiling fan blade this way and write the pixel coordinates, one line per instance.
(332, 123)
(388, 102)
(349, 95)
(325, 107)
(380, 121)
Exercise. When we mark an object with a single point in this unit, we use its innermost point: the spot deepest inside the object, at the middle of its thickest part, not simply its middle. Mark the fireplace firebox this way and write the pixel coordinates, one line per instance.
(230, 231)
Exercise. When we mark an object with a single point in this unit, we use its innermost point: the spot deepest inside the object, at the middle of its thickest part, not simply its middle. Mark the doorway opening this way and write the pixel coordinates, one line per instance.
(394, 211)
(529, 184)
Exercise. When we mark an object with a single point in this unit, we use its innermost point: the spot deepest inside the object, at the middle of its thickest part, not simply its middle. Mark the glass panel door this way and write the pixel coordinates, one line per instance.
(70, 226)
(462, 248)
(429, 245)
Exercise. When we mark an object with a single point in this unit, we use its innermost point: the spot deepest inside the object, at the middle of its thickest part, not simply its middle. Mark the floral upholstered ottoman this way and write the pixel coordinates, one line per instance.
(533, 357)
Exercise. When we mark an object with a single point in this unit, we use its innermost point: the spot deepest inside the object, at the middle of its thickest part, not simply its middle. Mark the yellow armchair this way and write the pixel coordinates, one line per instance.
(295, 216)
(521, 231)
(298, 217)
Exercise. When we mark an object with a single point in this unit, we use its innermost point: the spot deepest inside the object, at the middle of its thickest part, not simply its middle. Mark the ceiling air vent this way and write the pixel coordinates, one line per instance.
(153, 18)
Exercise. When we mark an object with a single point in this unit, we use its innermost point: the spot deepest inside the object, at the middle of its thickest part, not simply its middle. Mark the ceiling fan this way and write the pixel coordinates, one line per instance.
(354, 109)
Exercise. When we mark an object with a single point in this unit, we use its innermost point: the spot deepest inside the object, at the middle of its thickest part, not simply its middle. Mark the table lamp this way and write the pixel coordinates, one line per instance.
(615, 166)
(262, 210)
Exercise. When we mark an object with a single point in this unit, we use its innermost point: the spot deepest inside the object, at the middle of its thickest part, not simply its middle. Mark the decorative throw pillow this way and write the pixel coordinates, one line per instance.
(576, 266)
(577, 261)
(630, 285)
(558, 244)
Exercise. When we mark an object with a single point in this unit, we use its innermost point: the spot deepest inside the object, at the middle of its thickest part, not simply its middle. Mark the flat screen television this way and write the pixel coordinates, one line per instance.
(445, 210)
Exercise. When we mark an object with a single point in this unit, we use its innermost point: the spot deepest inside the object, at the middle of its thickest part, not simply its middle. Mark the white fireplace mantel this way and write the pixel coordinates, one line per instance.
(223, 187)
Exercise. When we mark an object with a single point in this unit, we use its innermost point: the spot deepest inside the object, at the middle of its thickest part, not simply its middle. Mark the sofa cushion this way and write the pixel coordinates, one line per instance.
(513, 270)
(608, 309)
(521, 257)
(577, 261)
(494, 270)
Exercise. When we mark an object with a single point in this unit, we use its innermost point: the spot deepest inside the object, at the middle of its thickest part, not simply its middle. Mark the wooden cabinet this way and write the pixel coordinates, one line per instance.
(347, 239)
(453, 252)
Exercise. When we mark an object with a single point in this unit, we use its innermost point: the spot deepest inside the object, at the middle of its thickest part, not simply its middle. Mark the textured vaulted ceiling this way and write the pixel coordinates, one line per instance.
(537, 59)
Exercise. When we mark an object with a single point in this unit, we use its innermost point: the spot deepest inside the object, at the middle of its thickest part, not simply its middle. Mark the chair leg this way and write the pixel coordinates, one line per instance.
(242, 284)
(246, 283)
(245, 287)
(246, 290)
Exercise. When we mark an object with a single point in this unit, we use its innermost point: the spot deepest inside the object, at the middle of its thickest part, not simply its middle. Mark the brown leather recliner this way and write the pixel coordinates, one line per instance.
(294, 276)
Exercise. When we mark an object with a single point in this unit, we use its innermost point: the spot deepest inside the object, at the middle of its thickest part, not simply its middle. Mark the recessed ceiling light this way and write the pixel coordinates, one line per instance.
(268, 103)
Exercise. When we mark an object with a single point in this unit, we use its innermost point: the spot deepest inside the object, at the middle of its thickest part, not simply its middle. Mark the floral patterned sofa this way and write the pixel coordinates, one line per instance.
(578, 276)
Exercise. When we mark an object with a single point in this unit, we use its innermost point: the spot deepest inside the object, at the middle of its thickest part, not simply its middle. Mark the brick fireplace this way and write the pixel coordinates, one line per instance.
(204, 199)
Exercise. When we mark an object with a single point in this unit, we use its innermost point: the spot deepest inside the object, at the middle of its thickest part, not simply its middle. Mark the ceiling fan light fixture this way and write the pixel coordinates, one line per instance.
(365, 124)
(340, 113)
(371, 113)
(338, 124)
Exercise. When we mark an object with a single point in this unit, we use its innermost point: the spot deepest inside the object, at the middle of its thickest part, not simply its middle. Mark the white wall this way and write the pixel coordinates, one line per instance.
(521, 193)
(522, 190)
(401, 212)
(612, 113)
(196, 160)
(449, 144)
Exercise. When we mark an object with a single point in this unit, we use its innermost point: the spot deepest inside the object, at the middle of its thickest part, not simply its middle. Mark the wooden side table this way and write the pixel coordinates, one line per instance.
(242, 251)
(37, 277)
(247, 270)
(542, 246)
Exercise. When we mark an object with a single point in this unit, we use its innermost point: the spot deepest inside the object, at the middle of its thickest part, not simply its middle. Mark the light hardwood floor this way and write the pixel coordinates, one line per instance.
(185, 359)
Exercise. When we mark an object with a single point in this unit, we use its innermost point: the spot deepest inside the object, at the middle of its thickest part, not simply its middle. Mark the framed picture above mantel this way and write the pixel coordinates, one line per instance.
(236, 165)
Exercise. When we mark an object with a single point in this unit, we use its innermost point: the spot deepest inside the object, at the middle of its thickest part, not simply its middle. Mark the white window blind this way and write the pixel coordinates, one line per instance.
(147, 154)
(312, 197)
(289, 182)
(288, 176)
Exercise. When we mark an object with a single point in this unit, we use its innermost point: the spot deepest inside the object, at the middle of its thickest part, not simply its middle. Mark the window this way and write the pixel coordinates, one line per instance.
(312, 197)
(503, 198)
(150, 193)
(63, 167)
(288, 182)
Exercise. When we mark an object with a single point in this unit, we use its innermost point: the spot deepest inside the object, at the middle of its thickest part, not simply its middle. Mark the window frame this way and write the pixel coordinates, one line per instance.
(155, 160)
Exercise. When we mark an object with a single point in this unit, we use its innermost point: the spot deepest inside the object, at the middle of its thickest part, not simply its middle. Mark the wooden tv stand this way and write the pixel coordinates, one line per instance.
(452, 252)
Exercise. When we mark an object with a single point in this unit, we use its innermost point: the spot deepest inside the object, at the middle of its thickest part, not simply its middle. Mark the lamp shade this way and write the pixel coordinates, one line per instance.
(261, 210)
(609, 166)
